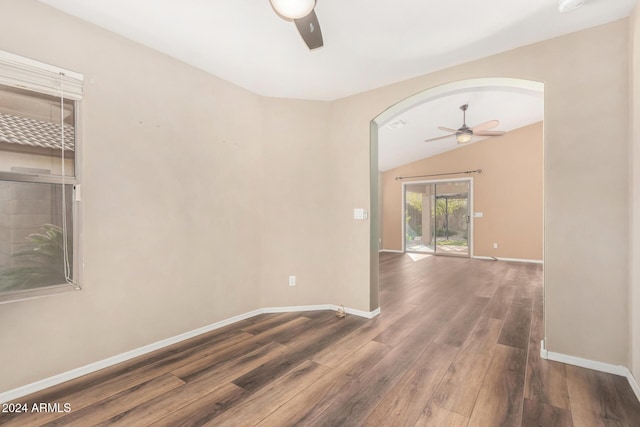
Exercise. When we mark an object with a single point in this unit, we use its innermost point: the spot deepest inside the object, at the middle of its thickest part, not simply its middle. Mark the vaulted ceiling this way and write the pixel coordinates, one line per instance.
(402, 139)
(367, 44)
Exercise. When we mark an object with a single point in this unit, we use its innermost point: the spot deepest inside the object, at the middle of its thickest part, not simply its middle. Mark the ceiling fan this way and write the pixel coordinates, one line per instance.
(302, 14)
(465, 133)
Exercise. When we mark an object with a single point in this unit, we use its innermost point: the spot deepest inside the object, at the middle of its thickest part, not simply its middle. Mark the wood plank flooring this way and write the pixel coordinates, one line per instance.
(457, 344)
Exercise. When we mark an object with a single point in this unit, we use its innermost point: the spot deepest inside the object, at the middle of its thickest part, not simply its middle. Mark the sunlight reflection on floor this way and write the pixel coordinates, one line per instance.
(418, 257)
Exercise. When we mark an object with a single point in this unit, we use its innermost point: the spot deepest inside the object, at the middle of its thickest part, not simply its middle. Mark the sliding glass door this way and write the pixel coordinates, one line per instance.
(437, 217)
(451, 217)
(419, 227)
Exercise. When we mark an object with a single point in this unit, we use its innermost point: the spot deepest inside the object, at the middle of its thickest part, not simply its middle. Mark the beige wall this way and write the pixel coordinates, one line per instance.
(167, 157)
(586, 154)
(200, 198)
(197, 195)
(294, 199)
(634, 34)
(508, 192)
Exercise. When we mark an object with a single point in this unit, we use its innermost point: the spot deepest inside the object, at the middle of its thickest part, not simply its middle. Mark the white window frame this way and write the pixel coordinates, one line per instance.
(38, 77)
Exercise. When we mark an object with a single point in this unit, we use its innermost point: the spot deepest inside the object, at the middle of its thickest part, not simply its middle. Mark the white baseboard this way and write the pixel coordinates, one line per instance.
(360, 313)
(16, 393)
(634, 384)
(298, 308)
(620, 370)
(584, 363)
(333, 307)
(534, 261)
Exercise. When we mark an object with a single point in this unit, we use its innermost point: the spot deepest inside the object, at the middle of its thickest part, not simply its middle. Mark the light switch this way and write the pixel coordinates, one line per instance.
(359, 214)
(478, 214)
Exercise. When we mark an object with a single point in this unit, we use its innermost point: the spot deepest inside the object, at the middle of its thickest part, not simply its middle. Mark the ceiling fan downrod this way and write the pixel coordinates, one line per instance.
(464, 114)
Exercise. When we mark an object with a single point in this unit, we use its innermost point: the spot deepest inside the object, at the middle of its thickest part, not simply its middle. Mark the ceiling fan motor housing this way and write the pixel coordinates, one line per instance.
(464, 135)
(293, 9)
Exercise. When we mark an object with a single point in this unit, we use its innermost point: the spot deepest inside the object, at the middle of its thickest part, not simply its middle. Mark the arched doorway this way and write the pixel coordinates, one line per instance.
(387, 117)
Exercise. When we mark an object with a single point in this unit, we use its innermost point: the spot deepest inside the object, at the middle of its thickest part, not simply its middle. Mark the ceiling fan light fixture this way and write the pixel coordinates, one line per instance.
(464, 137)
(293, 9)
(465, 134)
(569, 5)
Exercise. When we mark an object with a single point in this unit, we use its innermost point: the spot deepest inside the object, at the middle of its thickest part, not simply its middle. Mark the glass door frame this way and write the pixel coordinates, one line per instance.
(470, 208)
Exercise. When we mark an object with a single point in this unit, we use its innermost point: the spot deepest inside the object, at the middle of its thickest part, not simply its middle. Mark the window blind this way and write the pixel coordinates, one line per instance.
(25, 73)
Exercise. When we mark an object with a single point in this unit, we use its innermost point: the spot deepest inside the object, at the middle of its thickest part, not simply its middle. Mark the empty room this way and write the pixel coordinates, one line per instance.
(276, 213)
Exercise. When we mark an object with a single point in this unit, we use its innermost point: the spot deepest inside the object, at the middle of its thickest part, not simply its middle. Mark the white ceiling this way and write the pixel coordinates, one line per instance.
(367, 44)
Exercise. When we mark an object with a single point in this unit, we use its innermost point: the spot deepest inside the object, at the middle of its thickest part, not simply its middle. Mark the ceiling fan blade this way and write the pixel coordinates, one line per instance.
(486, 125)
(309, 29)
(447, 129)
(489, 133)
(439, 137)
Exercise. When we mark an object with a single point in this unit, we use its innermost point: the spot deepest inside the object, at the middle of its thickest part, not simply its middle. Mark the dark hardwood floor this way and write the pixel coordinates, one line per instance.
(457, 344)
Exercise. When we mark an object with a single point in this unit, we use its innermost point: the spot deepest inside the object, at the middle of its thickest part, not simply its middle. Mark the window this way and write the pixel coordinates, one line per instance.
(38, 178)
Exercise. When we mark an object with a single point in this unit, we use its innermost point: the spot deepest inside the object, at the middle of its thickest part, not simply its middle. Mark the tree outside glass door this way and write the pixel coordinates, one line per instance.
(437, 217)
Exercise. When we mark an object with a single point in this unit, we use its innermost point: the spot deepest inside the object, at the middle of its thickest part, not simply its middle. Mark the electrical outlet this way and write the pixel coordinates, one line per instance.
(495, 246)
(292, 280)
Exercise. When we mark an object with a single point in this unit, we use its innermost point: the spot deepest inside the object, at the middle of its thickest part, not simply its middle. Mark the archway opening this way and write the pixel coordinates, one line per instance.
(519, 96)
